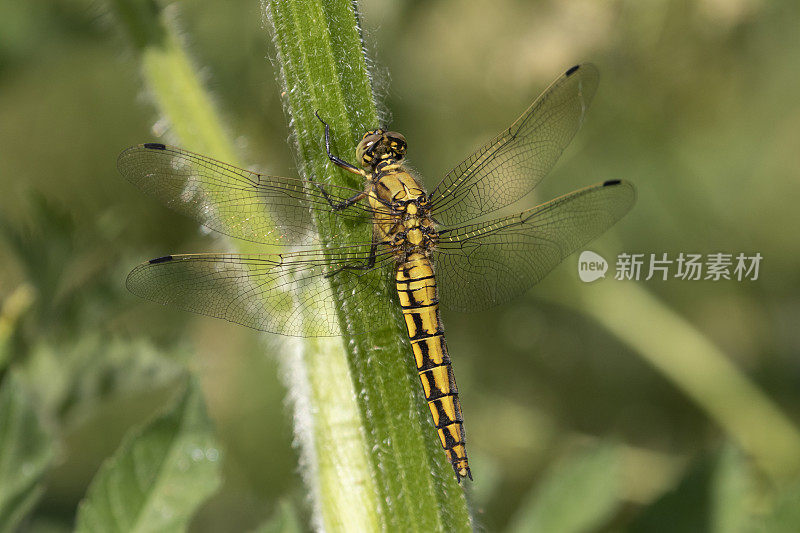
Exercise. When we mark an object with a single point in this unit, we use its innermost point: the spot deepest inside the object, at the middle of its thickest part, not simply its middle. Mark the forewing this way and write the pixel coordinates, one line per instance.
(291, 294)
(231, 200)
(513, 163)
(483, 265)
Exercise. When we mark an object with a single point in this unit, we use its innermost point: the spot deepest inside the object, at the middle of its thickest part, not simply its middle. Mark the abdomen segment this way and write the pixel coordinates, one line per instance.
(416, 287)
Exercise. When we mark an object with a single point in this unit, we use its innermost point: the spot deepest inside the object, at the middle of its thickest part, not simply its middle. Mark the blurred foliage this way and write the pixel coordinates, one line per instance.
(697, 106)
(576, 495)
(27, 452)
(159, 476)
(284, 521)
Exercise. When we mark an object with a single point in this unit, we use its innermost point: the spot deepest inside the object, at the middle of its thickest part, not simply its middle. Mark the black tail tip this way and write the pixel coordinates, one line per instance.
(462, 472)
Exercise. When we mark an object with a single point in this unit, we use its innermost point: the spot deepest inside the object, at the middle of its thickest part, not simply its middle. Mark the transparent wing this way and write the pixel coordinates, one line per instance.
(233, 201)
(291, 293)
(483, 265)
(513, 163)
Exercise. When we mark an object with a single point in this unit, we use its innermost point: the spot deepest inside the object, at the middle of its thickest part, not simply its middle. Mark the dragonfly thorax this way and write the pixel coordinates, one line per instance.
(417, 231)
(378, 145)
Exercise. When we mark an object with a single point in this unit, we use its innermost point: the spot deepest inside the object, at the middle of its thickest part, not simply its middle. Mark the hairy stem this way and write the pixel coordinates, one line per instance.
(323, 69)
(369, 452)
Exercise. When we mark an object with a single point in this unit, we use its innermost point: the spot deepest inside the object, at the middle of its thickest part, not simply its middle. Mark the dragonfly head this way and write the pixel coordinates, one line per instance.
(380, 145)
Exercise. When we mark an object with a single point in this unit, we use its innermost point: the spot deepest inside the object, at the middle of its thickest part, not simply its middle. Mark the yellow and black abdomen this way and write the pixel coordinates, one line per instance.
(416, 286)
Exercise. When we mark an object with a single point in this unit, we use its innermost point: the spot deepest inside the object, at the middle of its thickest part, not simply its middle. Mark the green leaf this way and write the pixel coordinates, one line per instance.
(159, 476)
(579, 494)
(26, 453)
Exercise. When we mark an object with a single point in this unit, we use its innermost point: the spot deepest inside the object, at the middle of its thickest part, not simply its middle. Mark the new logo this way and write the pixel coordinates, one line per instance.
(591, 266)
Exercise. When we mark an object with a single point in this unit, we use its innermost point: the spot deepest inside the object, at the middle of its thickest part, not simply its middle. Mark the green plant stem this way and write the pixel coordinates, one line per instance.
(328, 424)
(697, 367)
(171, 80)
(323, 68)
(370, 454)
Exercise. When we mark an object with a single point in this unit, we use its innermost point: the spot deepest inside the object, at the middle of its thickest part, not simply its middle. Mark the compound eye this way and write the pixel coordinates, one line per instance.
(395, 137)
(371, 139)
(396, 141)
(366, 146)
(397, 144)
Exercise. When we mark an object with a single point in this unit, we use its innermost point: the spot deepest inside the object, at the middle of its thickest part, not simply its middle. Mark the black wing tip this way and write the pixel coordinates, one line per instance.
(158, 260)
(588, 69)
(610, 183)
(121, 160)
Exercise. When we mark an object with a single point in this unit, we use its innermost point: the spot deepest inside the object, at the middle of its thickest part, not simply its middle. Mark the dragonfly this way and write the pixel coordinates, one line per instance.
(442, 248)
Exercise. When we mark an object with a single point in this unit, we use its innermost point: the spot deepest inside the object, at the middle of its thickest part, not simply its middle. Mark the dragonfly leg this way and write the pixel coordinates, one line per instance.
(373, 253)
(344, 204)
(335, 160)
(338, 206)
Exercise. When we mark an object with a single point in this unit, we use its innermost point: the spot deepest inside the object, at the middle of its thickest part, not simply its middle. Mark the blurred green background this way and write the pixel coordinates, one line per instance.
(697, 106)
